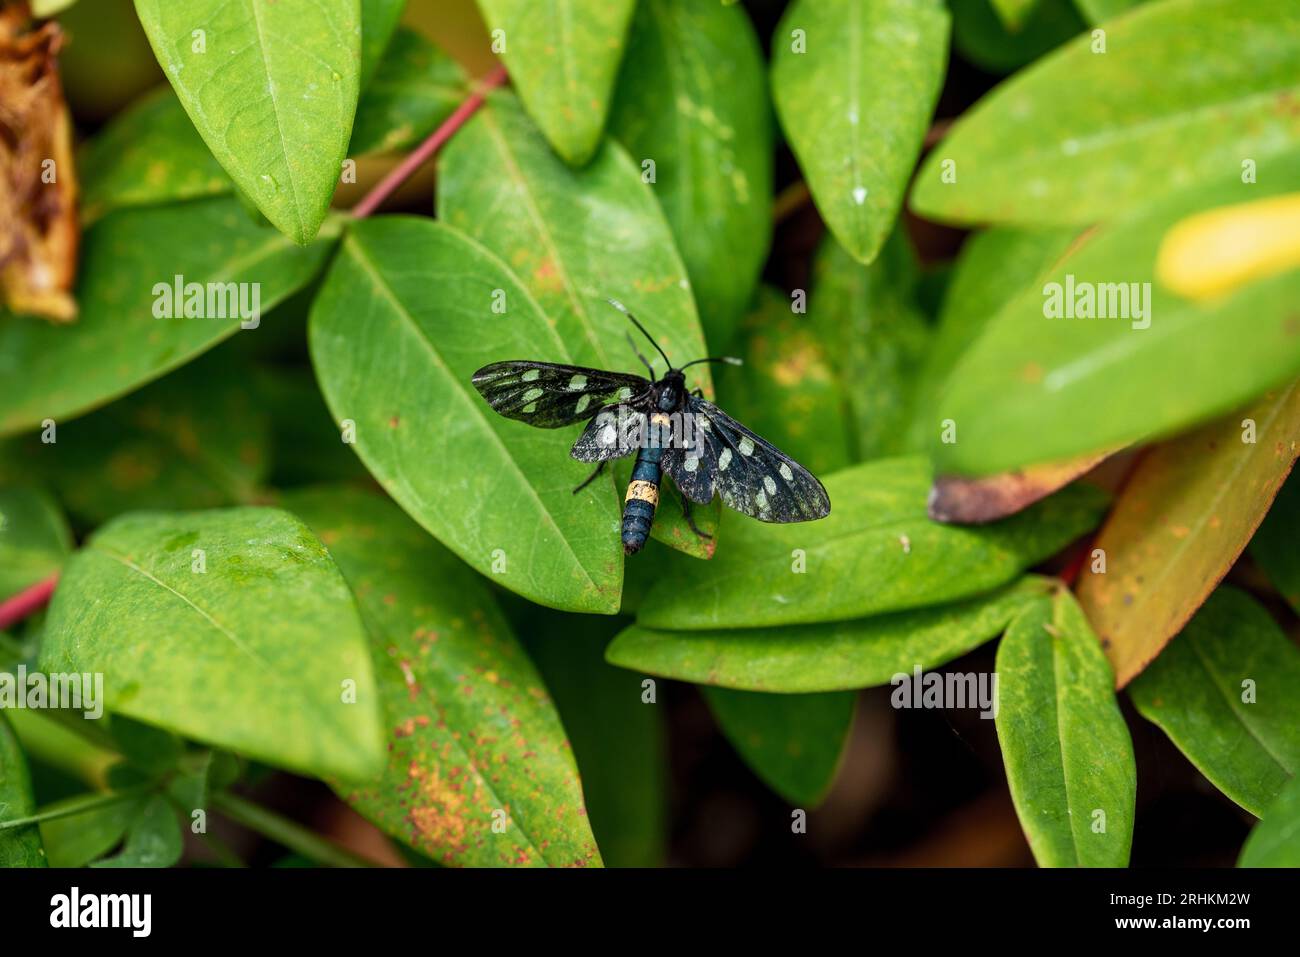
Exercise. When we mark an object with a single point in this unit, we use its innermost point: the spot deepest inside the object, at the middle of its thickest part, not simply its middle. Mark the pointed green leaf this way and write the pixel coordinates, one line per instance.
(1274, 544)
(788, 389)
(1067, 751)
(117, 344)
(793, 742)
(871, 325)
(195, 439)
(1275, 841)
(1227, 692)
(993, 266)
(692, 97)
(271, 88)
(574, 238)
(34, 538)
(231, 626)
(153, 840)
(1084, 135)
(617, 736)
(416, 87)
(19, 846)
(471, 731)
(563, 57)
(1157, 363)
(841, 655)
(877, 536)
(402, 322)
(855, 85)
(149, 154)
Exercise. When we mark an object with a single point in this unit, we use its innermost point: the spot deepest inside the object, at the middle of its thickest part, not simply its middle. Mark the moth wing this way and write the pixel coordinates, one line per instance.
(750, 474)
(550, 396)
(612, 433)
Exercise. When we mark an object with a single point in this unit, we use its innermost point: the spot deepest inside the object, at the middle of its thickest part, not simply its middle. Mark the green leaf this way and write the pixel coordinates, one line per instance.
(148, 748)
(1068, 756)
(692, 97)
(378, 24)
(617, 736)
(793, 742)
(574, 238)
(231, 626)
(1227, 692)
(416, 87)
(116, 345)
(1014, 13)
(878, 537)
(1185, 514)
(1098, 11)
(271, 88)
(306, 446)
(78, 839)
(980, 37)
(1275, 841)
(149, 154)
(993, 266)
(868, 320)
(19, 846)
(854, 91)
(471, 731)
(403, 320)
(788, 390)
(563, 57)
(34, 538)
(195, 439)
(830, 657)
(1120, 380)
(1083, 136)
(1273, 546)
(153, 840)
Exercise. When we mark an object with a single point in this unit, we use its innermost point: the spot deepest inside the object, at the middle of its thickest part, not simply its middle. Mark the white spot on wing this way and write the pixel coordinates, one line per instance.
(746, 446)
(786, 473)
(724, 460)
(578, 383)
(769, 485)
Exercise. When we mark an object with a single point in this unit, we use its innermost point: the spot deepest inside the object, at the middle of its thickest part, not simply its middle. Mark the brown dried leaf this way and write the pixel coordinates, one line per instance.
(1184, 517)
(38, 183)
(974, 501)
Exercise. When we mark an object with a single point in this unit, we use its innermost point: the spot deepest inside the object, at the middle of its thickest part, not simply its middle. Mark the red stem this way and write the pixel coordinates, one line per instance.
(29, 600)
(425, 151)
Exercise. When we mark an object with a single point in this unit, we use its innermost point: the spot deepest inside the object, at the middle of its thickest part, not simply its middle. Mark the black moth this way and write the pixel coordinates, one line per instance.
(671, 430)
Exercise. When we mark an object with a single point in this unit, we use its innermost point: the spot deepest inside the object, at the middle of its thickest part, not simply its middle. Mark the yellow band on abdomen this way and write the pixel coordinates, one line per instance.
(643, 492)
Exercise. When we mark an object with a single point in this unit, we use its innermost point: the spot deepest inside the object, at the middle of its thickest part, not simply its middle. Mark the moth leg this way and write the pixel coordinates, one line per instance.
(590, 478)
(698, 393)
(686, 512)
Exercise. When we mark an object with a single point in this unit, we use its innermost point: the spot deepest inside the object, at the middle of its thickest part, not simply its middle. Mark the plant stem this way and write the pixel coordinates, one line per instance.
(425, 151)
(285, 832)
(29, 600)
(88, 803)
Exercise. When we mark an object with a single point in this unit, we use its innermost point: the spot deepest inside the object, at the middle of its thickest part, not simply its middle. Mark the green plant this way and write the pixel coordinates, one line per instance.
(265, 504)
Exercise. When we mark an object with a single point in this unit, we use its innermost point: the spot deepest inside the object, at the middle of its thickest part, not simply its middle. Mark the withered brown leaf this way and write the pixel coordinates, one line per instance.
(38, 182)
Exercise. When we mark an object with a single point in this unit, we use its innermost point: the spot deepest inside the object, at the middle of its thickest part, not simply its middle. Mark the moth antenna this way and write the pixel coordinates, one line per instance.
(729, 360)
(644, 361)
(623, 309)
